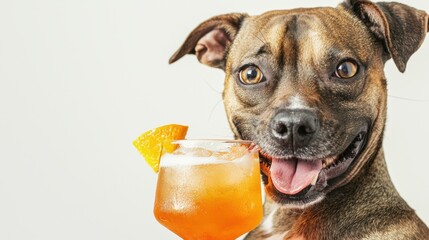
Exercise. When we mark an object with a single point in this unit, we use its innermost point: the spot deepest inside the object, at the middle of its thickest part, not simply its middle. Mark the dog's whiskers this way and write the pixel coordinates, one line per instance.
(262, 41)
(265, 40)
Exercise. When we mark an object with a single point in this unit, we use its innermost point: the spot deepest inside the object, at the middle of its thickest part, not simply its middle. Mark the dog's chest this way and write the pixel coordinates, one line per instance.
(283, 236)
(269, 228)
(277, 237)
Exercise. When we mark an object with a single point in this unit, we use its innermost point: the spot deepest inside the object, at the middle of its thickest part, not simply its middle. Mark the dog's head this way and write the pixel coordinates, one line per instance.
(307, 86)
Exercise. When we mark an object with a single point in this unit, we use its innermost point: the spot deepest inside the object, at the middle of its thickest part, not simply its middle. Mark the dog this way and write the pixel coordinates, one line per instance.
(307, 86)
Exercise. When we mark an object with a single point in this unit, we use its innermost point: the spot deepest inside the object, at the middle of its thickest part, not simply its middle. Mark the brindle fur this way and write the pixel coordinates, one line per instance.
(297, 49)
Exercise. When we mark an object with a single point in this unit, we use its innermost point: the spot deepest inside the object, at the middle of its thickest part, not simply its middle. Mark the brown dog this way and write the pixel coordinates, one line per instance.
(308, 87)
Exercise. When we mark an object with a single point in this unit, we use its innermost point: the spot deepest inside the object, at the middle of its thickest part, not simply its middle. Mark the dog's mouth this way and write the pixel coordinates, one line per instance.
(294, 178)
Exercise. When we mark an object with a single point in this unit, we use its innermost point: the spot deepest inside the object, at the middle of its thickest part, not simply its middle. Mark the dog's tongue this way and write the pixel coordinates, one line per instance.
(292, 176)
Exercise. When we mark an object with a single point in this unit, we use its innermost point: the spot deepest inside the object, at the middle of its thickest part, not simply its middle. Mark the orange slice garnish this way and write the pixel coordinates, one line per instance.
(153, 143)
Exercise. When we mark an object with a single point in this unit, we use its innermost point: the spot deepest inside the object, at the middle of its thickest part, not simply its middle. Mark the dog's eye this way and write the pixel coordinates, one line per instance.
(346, 69)
(251, 75)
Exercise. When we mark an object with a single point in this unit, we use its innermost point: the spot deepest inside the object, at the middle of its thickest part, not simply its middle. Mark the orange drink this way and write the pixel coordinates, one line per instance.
(209, 190)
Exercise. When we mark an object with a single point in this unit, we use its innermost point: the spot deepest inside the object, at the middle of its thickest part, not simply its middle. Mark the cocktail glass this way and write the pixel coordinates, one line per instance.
(209, 190)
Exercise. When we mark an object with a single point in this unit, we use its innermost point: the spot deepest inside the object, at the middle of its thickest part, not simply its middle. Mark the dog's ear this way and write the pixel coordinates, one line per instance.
(211, 39)
(401, 28)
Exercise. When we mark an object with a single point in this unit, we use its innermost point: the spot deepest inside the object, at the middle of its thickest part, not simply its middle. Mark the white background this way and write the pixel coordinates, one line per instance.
(80, 80)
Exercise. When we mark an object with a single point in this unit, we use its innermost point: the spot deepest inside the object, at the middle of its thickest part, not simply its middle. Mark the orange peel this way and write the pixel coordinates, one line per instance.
(153, 143)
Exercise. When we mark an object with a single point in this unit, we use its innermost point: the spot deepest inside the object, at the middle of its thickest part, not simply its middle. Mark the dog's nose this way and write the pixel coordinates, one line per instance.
(295, 127)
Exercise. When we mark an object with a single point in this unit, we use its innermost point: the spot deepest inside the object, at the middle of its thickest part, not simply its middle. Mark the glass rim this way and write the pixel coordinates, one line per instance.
(209, 140)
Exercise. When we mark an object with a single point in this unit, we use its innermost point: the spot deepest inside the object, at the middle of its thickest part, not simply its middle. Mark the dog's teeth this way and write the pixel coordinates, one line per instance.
(329, 161)
(314, 180)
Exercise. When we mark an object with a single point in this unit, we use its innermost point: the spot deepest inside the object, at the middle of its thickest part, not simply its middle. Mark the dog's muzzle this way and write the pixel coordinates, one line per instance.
(303, 180)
